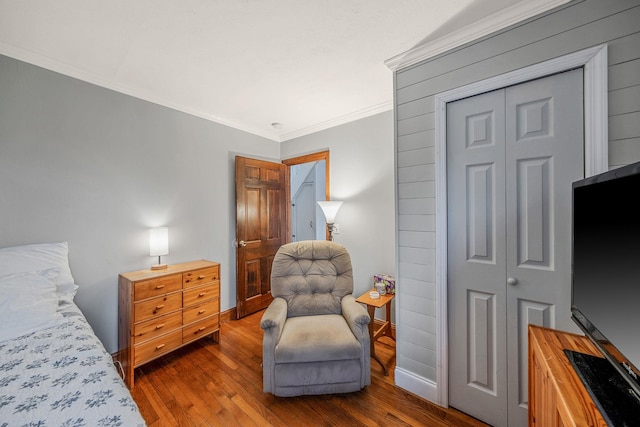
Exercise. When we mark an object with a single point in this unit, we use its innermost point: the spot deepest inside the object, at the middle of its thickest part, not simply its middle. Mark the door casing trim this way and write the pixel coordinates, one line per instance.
(596, 134)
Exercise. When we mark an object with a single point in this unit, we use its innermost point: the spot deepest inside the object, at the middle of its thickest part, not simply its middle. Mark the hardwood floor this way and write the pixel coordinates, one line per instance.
(211, 384)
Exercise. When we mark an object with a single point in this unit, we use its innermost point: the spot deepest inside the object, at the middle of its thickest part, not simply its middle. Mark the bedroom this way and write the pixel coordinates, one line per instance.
(97, 168)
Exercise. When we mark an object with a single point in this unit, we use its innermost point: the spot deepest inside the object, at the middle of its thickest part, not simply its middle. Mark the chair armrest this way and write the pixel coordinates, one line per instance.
(357, 318)
(272, 323)
(274, 317)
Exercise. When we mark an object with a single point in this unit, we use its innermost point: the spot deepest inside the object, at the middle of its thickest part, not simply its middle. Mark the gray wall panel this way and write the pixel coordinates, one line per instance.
(416, 173)
(572, 27)
(416, 223)
(415, 124)
(624, 151)
(415, 108)
(417, 206)
(420, 288)
(624, 126)
(624, 100)
(425, 239)
(416, 140)
(624, 75)
(417, 255)
(422, 156)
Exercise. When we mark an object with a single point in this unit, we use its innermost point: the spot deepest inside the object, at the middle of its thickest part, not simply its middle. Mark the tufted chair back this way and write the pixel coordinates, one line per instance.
(312, 276)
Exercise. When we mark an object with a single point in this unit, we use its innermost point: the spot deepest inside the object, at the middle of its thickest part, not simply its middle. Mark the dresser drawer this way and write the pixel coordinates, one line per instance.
(158, 286)
(157, 347)
(200, 277)
(157, 307)
(200, 329)
(200, 311)
(155, 327)
(200, 294)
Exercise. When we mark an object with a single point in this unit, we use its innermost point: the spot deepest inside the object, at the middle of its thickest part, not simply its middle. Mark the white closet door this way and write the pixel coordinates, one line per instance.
(512, 155)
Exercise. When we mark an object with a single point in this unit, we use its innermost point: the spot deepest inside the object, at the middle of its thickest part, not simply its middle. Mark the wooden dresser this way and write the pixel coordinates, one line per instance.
(557, 397)
(162, 310)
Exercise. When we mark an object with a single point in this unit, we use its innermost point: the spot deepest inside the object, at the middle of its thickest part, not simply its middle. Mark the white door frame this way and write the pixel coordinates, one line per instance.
(596, 141)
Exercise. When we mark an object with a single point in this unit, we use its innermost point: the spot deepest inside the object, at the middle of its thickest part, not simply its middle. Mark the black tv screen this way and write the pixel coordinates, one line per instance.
(606, 266)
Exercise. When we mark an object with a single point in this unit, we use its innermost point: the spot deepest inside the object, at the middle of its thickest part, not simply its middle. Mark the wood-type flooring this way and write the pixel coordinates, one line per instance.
(220, 384)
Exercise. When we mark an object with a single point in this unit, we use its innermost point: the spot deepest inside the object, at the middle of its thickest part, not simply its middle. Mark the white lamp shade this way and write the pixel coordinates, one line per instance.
(330, 209)
(158, 241)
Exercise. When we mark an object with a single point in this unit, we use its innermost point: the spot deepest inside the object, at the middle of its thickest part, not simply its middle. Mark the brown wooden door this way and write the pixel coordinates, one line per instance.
(261, 228)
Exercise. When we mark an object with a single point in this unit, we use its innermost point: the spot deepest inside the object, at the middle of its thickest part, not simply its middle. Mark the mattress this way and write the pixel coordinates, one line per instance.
(61, 375)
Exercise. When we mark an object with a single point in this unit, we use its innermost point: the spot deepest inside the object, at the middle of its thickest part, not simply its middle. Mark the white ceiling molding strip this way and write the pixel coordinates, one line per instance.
(361, 114)
(51, 64)
(508, 16)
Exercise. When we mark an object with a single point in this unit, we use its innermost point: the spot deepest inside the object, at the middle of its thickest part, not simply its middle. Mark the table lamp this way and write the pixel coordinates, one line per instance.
(158, 245)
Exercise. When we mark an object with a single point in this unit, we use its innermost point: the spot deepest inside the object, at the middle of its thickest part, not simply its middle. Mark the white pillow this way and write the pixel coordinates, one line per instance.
(42, 256)
(28, 302)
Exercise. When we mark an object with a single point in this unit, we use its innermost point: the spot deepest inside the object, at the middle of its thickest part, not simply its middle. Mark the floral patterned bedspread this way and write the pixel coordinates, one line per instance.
(62, 376)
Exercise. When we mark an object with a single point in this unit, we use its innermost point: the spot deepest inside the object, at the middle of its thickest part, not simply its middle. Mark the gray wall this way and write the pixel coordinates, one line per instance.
(572, 27)
(361, 173)
(98, 169)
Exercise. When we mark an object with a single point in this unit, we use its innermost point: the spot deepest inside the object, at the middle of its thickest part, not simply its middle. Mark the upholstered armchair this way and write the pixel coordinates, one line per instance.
(316, 336)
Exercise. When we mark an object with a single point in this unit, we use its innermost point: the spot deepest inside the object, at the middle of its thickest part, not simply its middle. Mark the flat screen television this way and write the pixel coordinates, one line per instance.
(605, 290)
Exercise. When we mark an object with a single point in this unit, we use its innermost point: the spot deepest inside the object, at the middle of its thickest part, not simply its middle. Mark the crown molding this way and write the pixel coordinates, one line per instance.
(485, 26)
(51, 64)
(360, 114)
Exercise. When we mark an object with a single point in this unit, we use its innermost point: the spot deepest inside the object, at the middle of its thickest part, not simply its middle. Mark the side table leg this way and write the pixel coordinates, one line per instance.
(371, 309)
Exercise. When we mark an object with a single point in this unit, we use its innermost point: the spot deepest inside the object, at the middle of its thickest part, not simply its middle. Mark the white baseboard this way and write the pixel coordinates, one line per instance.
(417, 385)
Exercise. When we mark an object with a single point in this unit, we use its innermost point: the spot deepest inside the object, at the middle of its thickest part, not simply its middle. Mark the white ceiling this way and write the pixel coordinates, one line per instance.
(307, 64)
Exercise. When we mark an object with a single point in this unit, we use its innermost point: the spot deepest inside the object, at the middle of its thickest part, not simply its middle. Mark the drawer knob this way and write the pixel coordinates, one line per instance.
(201, 294)
(159, 286)
(201, 311)
(160, 326)
(201, 329)
(202, 277)
(158, 347)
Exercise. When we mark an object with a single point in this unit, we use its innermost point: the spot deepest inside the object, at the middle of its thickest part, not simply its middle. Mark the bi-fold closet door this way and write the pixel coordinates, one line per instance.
(512, 155)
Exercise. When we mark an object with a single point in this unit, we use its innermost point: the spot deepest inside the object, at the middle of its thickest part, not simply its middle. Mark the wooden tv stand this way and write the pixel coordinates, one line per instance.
(557, 397)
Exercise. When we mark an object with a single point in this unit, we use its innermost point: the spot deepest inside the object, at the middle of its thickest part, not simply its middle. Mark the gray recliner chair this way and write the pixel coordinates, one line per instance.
(316, 336)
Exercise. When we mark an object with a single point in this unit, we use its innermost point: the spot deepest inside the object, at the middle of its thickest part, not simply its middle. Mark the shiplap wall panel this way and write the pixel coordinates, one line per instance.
(419, 288)
(414, 108)
(420, 272)
(622, 101)
(416, 222)
(422, 323)
(416, 157)
(416, 140)
(569, 28)
(416, 173)
(425, 206)
(425, 239)
(624, 150)
(624, 74)
(624, 49)
(520, 35)
(602, 30)
(624, 126)
(417, 255)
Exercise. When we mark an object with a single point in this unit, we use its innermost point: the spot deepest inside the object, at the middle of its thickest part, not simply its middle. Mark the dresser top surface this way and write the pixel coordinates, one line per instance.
(171, 269)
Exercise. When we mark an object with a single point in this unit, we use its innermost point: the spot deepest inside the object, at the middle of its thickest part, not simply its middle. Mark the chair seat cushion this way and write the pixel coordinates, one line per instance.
(316, 338)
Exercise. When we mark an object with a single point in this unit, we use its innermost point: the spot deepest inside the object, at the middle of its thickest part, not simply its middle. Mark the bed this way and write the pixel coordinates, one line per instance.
(54, 371)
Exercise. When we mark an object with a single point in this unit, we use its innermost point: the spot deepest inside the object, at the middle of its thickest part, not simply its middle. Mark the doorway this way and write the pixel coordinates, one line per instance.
(308, 183)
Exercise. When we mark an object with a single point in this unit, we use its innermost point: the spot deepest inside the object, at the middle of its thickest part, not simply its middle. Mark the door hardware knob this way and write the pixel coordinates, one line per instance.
(512, 281)
(242, 243)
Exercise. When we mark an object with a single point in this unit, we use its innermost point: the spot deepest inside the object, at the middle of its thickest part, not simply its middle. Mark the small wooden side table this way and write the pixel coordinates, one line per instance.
(385, 329)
